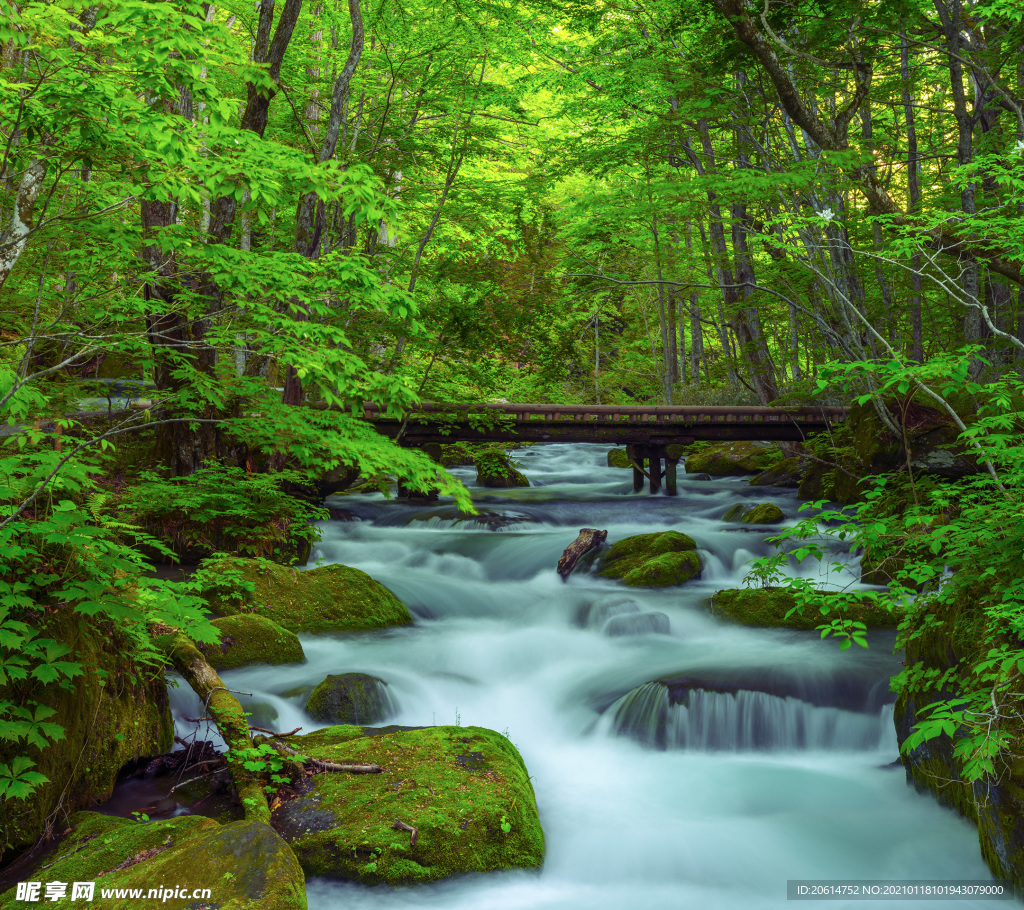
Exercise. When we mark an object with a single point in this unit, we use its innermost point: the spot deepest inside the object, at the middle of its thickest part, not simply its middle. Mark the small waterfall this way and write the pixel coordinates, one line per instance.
(743, 720)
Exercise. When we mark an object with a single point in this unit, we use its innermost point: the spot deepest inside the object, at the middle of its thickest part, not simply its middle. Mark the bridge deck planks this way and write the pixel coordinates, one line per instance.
(641, 424)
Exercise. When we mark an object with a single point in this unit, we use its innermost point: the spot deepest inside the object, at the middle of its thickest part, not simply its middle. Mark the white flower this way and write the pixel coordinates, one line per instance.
(1019, 149)
(826, 214)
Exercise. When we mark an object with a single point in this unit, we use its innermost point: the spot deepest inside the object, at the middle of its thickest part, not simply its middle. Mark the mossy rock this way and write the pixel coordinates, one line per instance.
(787, 473)
(734, 458)
(350, 698)
(617, 458)
(115, 712)
(328, 599)
(245, 865)
(765, 513)
(248, 638)
(465, 790)
(767, 608)
(651, 560)
(494, 469)
(457, 454)
(940, 634)
(822, 481)
(735, 512)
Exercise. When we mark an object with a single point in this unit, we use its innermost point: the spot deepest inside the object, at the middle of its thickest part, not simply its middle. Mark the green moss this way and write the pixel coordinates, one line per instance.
(329, 599)
(767, 607)
(465, 789)
(457, 454)
(787, 473)
(735, 513)
(767, 513)
(248, 638)
(349, 698)
(651, 560)
(617, 458)
(117, 711)
(245, 865)
(732, 458)
(494, 469)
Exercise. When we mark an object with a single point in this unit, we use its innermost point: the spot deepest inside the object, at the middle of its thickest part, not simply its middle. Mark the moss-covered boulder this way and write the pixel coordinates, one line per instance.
(457, 454)
(767, 607)
(465, 790)
(185, 862)
(115, 712)
(328, 599)
(787, 473)
(831, 483)
(350, 698)
(493, 469)
(765, 513)
(735, 512)
(651, 560)
(733, 458)
(940, 635)
(618, 458)
(248, 638)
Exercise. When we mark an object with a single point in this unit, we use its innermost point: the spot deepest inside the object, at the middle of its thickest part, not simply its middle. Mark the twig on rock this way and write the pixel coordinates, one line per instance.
(402, 826)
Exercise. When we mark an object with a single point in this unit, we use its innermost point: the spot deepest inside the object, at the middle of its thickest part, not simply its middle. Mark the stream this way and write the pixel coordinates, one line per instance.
(768, 759)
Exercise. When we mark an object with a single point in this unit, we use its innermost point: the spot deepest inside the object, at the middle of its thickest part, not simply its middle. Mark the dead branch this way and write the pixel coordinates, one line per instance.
(589, 539)
(402, 826)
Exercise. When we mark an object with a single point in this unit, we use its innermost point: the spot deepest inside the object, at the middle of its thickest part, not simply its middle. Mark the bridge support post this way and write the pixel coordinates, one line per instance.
(654, 456)
(670, 476)
(635, 455)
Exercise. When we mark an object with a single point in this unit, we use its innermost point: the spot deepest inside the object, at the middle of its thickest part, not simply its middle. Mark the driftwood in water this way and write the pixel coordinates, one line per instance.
(589, 539)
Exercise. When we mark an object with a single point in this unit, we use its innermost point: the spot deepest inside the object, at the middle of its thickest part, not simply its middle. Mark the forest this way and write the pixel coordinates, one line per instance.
(227, 230)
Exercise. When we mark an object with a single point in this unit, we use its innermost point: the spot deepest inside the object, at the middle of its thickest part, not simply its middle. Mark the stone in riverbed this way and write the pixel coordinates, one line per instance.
(766, 513)
(465, 790)
(350, 698)
(248, 638)
(328, 599)
(637, 624)
(617, 458)
(245, 864)
(731, 458)
(767, 607)
(494, 469)
(651, 560)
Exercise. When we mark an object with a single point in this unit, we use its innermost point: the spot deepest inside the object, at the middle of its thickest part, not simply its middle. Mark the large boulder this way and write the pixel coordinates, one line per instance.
(651, 560)
(465, 790)
(942, 636)
(765, 513)
(493, 469)
(181, 863)
(248, 638)
(767, 607)
(350, 698)
(787, 473)
(727, 459)
(619, 458)
(114, 713)
(328, 599)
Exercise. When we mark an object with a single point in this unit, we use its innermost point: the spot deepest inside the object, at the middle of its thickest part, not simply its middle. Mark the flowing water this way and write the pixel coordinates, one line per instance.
(767, 757)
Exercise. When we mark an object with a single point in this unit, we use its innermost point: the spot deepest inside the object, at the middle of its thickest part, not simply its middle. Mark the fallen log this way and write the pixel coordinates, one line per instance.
(589, 539)
(227, 713)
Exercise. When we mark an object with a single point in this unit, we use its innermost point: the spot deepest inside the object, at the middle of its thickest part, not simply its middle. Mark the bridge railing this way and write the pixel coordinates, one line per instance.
(632, 414)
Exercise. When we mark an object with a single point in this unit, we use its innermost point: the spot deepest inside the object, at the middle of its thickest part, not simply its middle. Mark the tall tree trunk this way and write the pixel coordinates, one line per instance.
(914, 192)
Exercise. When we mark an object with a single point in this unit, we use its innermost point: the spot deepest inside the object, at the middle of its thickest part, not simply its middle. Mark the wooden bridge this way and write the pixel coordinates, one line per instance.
(650, 433)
